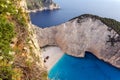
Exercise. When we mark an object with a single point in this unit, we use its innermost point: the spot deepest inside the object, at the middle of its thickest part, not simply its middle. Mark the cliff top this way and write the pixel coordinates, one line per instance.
(111, 23)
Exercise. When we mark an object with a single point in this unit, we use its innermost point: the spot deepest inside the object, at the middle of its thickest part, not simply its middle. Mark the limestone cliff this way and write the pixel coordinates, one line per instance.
(85, 33)
(39, 5)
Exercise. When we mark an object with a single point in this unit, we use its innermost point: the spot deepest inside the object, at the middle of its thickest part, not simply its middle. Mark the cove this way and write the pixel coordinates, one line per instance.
(73, 8)
(87, 68)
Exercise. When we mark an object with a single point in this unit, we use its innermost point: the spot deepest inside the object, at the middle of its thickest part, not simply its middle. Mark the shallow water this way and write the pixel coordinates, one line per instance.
(87, 68)
(72, 8)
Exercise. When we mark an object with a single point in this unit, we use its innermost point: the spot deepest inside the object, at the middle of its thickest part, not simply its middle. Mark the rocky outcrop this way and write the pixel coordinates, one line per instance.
(83, 34)
(40, 5)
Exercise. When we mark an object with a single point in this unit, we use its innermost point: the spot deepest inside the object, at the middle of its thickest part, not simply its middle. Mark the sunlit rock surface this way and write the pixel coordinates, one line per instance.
(79, 35)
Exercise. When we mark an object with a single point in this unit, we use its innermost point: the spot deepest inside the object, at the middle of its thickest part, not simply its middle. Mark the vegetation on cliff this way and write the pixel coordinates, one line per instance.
(34, 4)
(9, 20)
(41, 5)
(15, 50)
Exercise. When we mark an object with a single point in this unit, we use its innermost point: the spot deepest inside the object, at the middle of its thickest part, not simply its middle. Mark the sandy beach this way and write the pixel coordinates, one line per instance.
(51, 55)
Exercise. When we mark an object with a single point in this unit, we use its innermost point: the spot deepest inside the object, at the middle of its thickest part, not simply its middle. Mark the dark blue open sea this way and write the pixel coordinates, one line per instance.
(87, 68)
(73, 8)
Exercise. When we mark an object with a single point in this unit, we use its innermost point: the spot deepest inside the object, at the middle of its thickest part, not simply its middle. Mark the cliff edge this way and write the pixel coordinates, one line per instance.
(98, 35)
(20, 56)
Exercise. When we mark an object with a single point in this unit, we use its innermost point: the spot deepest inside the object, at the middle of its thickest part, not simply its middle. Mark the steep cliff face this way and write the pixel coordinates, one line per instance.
(84, 34)
(20, 57)
(35, 5)
(29, 60)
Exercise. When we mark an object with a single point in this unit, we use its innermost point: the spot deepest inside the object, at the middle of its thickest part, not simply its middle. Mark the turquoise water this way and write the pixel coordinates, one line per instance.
(87, 68)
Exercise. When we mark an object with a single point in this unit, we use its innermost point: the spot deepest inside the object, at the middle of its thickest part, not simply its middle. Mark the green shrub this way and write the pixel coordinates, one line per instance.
(6, 73)
(6, 34)
(10, 18)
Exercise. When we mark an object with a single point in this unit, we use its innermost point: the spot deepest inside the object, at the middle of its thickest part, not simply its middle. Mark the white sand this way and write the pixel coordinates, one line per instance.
(54, 53)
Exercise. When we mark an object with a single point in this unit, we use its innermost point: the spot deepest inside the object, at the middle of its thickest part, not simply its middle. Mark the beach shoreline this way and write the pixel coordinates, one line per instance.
(51, 56)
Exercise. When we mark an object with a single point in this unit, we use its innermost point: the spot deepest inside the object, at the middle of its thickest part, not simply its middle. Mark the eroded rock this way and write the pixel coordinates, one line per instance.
(77, 36)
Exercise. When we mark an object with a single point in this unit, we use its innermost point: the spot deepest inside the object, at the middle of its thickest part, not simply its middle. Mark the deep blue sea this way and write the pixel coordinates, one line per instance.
(87, 68)
(73, 8)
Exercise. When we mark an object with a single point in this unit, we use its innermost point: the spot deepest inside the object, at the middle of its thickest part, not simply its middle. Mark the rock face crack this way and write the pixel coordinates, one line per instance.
(77, 36)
